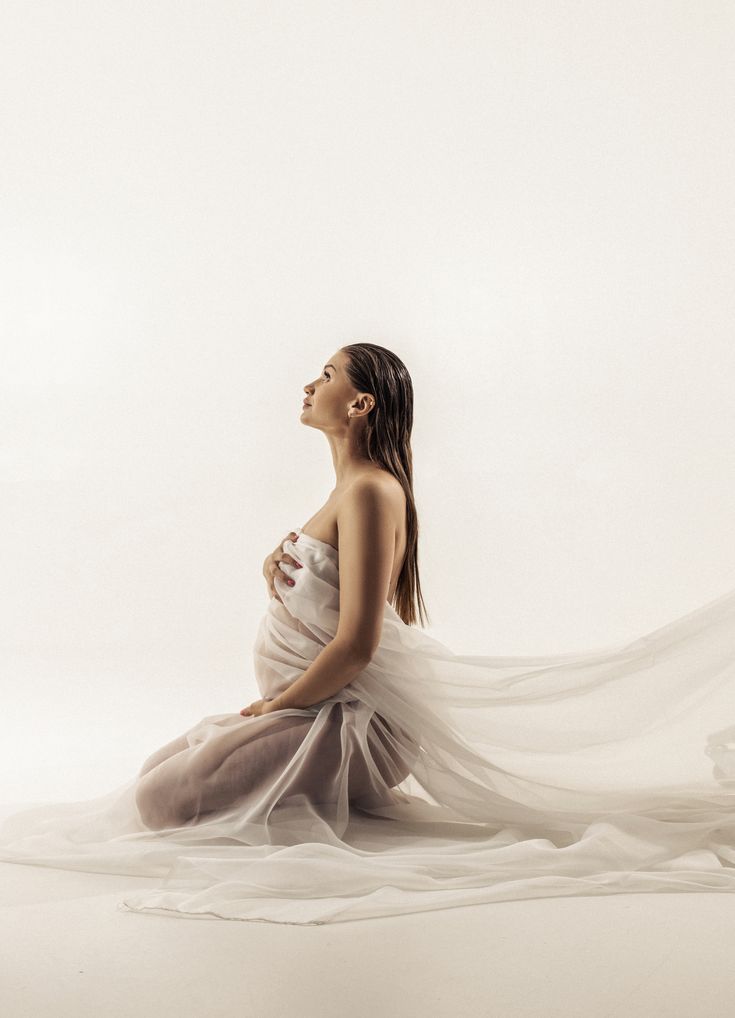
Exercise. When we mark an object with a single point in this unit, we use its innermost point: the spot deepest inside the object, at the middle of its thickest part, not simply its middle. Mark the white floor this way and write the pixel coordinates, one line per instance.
(67, 951)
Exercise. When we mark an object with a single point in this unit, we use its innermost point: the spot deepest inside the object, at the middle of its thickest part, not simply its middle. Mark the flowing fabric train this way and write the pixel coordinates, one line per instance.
(433, 780)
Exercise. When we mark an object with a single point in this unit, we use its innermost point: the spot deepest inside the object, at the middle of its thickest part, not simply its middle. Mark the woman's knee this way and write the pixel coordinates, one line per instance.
(164, 753)
(157, 806)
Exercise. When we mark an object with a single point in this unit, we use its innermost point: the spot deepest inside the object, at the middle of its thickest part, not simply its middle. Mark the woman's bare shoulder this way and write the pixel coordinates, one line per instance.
(389, 487)
(383, 478)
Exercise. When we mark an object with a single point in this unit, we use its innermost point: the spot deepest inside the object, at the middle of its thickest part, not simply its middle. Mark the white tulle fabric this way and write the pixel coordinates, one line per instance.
(433, 780)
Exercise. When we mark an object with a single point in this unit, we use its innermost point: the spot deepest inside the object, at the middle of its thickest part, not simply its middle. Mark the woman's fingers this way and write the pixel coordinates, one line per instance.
(272, 584)
(278, 570)
(274, 569)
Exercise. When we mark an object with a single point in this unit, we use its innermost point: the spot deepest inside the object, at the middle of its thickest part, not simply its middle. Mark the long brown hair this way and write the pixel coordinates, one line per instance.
(374, 369)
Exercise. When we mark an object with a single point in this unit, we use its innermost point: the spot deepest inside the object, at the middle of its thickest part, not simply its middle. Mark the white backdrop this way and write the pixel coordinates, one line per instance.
(531, 203)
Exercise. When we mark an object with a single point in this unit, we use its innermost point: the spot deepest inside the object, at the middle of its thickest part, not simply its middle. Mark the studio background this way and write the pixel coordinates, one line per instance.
(530, 203)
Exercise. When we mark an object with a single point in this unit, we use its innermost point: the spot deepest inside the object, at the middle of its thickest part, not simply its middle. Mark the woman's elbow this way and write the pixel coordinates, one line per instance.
(358, 652)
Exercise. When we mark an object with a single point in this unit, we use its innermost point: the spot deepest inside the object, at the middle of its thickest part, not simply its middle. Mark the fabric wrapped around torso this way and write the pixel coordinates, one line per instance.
(433, 779)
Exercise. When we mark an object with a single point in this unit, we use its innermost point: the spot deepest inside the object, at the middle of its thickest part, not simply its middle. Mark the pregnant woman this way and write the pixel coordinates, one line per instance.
(382, 773)
(310, 736)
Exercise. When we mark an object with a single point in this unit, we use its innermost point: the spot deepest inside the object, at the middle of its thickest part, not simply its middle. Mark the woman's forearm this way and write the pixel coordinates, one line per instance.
(332, 670)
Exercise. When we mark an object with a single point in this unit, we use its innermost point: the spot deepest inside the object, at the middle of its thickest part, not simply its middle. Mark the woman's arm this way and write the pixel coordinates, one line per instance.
(366, 527)
(335, 666)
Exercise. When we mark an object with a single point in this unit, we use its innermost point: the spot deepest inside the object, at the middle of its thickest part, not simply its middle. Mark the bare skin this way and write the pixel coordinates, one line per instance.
(323, 524)
(178, 781)
(340, 411)
(337, 409)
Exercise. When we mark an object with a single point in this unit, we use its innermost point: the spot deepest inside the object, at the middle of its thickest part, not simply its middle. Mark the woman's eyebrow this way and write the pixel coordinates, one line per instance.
(330, 366)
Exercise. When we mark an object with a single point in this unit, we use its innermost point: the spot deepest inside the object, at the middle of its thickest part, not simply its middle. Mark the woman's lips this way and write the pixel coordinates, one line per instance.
(306, 404)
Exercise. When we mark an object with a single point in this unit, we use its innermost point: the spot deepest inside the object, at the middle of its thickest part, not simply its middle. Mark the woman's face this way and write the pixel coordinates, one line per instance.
(330, 395)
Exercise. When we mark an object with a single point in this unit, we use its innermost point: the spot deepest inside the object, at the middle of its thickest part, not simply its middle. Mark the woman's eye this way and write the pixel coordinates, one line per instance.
(325, 375)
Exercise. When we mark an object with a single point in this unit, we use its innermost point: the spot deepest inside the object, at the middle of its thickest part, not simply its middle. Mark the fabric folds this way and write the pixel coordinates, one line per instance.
(432, 780)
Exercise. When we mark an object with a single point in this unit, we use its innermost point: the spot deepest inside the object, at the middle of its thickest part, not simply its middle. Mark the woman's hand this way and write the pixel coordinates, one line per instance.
(272, 566)
(259, 707)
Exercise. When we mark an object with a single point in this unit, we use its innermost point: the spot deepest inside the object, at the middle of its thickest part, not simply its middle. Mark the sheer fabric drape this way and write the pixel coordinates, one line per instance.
(432, 780)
